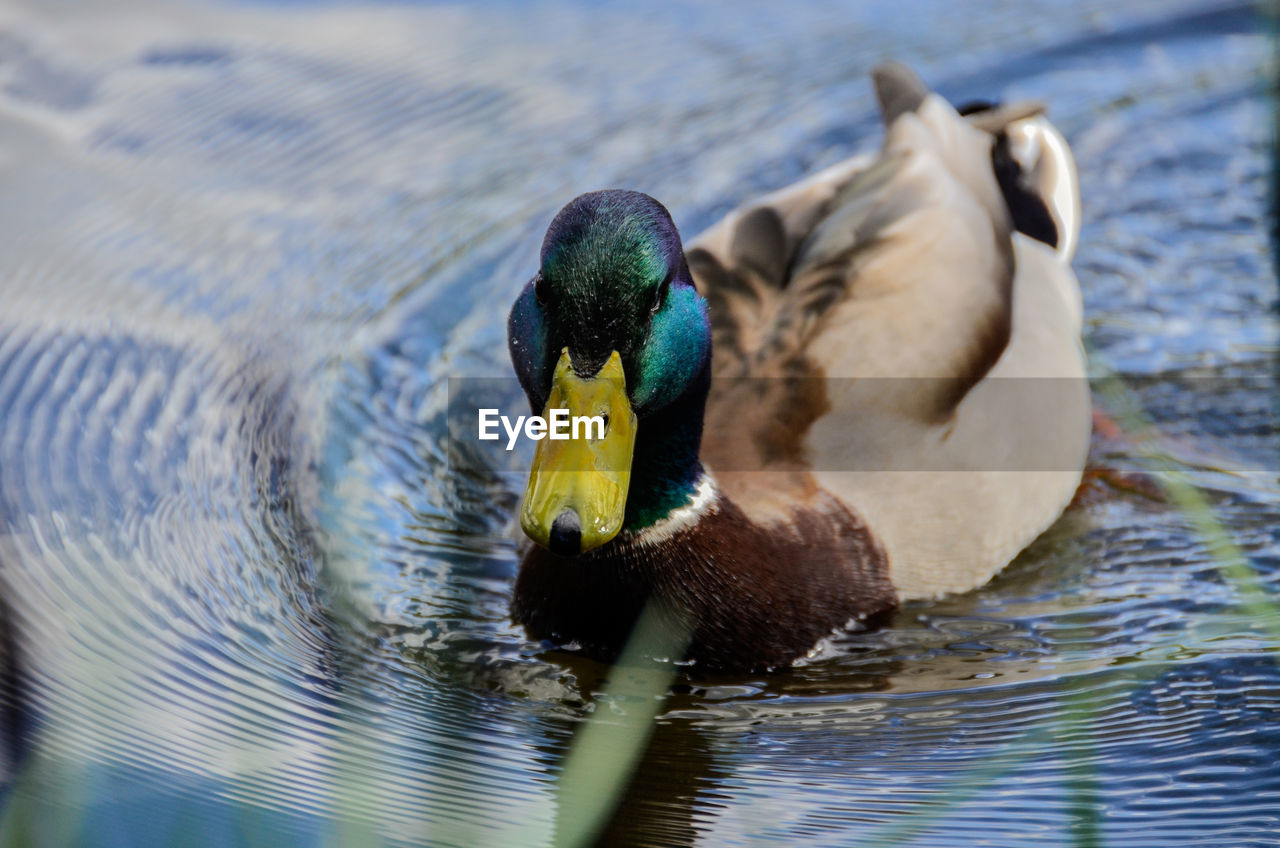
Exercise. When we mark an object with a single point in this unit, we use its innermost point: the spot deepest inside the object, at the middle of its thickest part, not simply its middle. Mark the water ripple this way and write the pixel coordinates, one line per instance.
(249, 594)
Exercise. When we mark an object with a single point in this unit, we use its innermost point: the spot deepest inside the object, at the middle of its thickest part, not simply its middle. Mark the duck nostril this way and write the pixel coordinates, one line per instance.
(565, 538)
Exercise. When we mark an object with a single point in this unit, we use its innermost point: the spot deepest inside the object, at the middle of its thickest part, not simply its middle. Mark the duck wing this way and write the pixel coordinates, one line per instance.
(896, 265)
(862, 320)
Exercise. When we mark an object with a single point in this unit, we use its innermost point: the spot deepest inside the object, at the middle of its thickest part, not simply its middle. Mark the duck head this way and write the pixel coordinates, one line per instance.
(611, 326)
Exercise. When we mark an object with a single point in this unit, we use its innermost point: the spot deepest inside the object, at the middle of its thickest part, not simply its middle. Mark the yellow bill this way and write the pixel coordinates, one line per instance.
(578, 486)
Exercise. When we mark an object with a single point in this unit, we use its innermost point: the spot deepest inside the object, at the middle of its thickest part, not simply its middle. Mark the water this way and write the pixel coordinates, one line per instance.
(247, 600)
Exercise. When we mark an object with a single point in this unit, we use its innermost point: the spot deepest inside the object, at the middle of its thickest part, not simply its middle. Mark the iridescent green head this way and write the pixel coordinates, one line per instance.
(613, 280)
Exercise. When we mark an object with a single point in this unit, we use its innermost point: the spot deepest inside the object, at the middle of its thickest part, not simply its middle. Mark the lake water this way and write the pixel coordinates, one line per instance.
(248, 599)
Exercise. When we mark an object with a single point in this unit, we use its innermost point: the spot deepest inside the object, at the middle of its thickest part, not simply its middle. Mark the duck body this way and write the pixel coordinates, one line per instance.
(861, 389)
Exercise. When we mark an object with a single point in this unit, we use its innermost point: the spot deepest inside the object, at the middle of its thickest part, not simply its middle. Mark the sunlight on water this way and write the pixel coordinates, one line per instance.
(247, 594)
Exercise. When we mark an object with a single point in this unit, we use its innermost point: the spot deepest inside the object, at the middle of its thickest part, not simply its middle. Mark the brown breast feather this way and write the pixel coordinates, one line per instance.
(751, 597)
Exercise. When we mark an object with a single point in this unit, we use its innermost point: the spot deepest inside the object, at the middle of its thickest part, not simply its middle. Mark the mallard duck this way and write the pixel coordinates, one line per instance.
(862, 389)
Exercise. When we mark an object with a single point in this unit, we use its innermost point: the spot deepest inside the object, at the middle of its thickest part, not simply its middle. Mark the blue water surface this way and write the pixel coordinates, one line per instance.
(248, 596)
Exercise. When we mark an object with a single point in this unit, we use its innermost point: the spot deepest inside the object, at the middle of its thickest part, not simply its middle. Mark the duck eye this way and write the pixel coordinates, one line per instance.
(661, 295)
(540, 289)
